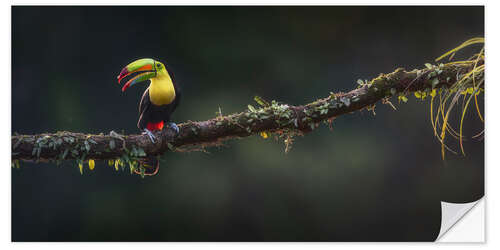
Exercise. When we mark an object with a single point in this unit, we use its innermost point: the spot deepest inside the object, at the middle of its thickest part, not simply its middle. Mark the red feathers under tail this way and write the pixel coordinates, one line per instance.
(154, 126)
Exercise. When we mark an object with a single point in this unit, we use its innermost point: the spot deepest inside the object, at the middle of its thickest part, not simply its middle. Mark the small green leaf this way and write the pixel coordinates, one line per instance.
(80, 166)
(345, 101)
(435, 82)
(251, 108)
(403, 98)
(194, 130)
(170, 146)
(133, 152)
(125, 159)
(261, 101)
(65, 153)
(428, 65)
(433, 93)
(140, 152)
(143, 171)
(17, 143)
(132, 168)
(91, 164)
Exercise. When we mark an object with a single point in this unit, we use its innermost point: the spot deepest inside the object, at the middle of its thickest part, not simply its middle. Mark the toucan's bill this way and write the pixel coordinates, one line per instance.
(145, 66)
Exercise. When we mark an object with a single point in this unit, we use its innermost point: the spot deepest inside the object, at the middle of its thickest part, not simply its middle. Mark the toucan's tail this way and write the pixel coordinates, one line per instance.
(151, 166)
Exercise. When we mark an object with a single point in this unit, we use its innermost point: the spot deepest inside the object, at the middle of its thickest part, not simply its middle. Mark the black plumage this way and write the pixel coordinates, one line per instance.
(151, 113)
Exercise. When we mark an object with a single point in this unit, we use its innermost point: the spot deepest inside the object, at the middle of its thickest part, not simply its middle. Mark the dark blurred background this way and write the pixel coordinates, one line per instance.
(373, 178)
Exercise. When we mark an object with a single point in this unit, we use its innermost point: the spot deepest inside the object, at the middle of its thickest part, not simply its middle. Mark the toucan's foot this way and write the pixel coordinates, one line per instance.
(174, 127)
(151, 136)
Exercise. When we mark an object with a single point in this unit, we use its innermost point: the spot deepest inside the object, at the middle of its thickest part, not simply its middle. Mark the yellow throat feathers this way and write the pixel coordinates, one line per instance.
(161, 90)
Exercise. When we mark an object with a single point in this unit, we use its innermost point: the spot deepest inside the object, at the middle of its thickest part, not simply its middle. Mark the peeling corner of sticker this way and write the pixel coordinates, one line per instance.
(451, 213)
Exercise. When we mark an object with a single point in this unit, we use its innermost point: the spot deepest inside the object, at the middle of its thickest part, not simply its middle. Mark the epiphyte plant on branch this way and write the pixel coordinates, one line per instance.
(447, 82)
(469, 86)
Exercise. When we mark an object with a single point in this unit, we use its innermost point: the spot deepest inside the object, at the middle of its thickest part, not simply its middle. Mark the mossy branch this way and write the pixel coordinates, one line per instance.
(271, 118)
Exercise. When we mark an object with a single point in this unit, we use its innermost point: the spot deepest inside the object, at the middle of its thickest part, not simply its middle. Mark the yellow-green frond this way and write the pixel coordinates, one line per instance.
(467, 85)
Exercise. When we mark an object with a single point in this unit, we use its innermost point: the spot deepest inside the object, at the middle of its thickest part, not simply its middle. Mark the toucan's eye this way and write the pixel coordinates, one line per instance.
(158, 65)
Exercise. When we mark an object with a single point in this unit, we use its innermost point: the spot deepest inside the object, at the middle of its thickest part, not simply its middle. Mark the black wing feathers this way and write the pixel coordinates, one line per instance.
(143, 110)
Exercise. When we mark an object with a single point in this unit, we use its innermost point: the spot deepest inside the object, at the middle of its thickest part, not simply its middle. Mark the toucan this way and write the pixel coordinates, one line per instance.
(159, 100)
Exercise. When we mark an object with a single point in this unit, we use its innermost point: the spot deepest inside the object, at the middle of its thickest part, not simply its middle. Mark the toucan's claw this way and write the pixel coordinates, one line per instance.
(174, 127)
(151, 136)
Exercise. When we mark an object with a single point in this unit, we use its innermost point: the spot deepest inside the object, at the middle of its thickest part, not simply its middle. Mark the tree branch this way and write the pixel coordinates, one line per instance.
(273, 118)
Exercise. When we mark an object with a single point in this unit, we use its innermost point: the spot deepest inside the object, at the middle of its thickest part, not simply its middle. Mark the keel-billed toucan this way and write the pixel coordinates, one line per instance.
(159, 101)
